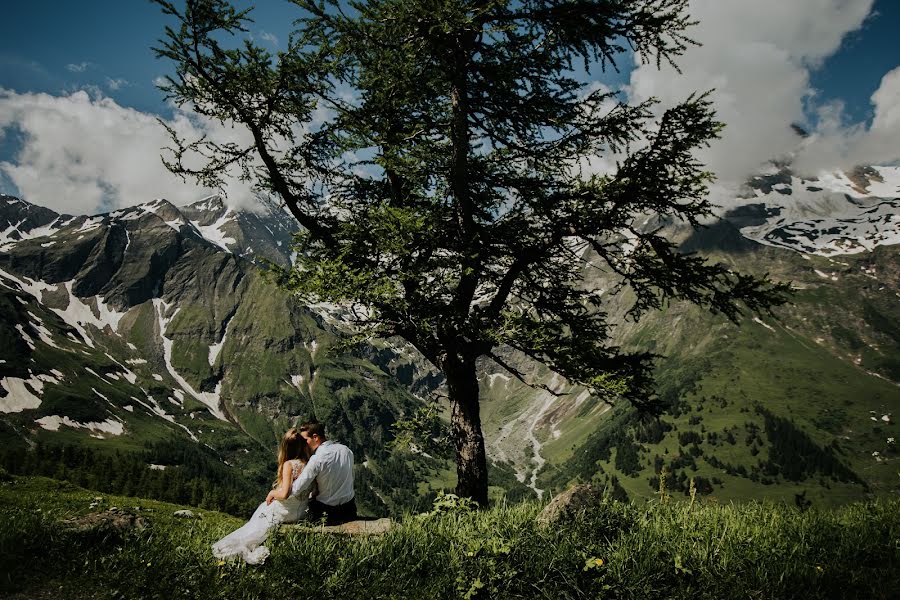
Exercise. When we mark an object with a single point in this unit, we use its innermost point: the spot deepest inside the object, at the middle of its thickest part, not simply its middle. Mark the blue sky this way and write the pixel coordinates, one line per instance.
(835, 55)
(56, 46)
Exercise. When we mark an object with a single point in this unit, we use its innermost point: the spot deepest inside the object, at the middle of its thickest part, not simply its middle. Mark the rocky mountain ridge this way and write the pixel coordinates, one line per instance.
(164, 309)
(156, 322)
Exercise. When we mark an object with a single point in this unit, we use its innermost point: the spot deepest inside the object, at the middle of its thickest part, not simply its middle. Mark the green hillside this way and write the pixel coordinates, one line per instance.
(799, 403)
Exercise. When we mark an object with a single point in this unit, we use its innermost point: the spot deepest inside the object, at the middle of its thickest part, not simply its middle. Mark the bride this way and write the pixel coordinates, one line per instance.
(279, 507)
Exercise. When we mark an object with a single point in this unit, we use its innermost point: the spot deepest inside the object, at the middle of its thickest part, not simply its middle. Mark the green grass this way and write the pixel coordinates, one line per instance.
(646, 550)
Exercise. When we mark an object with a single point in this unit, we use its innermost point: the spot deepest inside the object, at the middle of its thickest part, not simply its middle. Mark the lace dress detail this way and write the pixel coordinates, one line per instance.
(296, 468)
(246, 542)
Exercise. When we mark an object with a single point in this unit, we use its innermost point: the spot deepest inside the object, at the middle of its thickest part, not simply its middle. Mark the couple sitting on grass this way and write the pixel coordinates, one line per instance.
(315, 482)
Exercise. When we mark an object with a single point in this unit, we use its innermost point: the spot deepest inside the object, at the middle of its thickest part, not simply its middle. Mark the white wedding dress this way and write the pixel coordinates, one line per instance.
(246, 542)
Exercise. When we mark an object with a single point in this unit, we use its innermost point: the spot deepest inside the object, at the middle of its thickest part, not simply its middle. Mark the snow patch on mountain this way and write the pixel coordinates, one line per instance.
(42, 331)
(156, 409)
(20, 395)
(25, 394)
(215, 349)
(78, 314)
(127, 373)
(214, 233)
(210, 399)
(13, 234)
(109, 426)
(759, 321)
(833, 214)
(90, 225)
(31, 287)
(25, 336)
(160, 208)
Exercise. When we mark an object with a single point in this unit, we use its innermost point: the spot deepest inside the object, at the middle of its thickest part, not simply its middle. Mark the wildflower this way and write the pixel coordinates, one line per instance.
(876, 454)
(220, 563)
(820, 568)
(890, 440)
(593, 563)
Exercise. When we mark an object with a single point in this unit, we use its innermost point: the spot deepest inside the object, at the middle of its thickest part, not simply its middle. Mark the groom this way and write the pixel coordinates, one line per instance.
(331, 468)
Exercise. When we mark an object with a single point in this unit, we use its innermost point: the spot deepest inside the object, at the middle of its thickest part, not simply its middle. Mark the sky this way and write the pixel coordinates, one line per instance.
(79, 109)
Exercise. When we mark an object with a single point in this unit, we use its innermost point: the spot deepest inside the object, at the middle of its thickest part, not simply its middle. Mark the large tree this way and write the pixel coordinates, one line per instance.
(434, 153)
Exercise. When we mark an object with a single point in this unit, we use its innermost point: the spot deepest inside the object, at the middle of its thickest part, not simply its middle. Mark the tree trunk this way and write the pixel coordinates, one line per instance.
(465, 430)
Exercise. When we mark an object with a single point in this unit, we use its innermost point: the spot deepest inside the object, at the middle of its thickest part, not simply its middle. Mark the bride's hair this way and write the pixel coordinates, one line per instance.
(292, 446)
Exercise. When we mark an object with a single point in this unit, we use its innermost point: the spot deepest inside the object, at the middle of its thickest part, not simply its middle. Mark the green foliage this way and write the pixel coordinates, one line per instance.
(424, 431)
(192, 475)
(444, 200)
(795, 456)
(450, 503)
(615, 550)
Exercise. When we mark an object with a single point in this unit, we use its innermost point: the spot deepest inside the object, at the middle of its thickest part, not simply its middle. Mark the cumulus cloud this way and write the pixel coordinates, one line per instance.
(757, 56)
(837, 145)
(83, 153)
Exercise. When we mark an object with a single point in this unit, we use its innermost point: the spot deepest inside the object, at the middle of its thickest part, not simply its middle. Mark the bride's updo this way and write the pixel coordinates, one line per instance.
(292, 446)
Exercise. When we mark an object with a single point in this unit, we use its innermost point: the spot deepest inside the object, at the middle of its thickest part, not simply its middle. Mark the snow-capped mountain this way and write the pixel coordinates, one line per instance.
(835, 213)
(154, 322)
(264, 233)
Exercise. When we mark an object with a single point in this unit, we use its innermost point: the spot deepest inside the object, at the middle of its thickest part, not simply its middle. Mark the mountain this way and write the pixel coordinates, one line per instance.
(802, 402)
(835, 213)
(152, 330)
(155, 323)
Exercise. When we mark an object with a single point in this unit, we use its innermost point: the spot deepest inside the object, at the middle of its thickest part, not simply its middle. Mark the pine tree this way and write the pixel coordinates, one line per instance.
(444, 197)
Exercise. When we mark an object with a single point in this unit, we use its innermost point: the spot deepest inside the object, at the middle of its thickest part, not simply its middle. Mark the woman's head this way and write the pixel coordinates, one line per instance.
(292, 446)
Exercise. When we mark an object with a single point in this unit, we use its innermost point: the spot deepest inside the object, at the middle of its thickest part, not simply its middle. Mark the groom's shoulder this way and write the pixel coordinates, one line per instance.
(339, 447)
(334, 446)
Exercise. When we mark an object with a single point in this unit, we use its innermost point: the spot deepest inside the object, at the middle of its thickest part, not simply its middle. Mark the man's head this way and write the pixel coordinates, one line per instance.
(314, 434)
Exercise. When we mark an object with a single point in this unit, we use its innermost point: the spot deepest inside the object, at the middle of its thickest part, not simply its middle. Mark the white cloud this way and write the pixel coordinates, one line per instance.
(116, 84)
(757, 56)
(269, 37)
(79, 67)
(85, 154)
(836, 145)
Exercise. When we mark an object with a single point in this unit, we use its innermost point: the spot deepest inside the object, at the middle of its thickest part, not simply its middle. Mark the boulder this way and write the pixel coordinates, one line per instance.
(355, 528)
(185, 514)
(109, 521)
(570, 504)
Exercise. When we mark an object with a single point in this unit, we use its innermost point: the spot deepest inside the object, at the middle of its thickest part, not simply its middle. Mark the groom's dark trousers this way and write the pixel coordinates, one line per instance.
(334, 515)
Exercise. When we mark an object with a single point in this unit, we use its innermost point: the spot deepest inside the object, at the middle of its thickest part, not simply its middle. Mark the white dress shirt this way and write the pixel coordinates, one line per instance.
(332, 468)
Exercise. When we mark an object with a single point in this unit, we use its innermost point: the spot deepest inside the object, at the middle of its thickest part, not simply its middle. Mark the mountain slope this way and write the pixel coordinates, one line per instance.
(821, 376)
(128, 328)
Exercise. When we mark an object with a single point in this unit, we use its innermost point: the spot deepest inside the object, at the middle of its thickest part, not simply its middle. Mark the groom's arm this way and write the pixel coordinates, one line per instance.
(307, 476)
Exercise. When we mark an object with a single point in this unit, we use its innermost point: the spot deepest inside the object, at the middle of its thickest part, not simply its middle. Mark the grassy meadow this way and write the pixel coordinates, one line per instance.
(668, 549)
